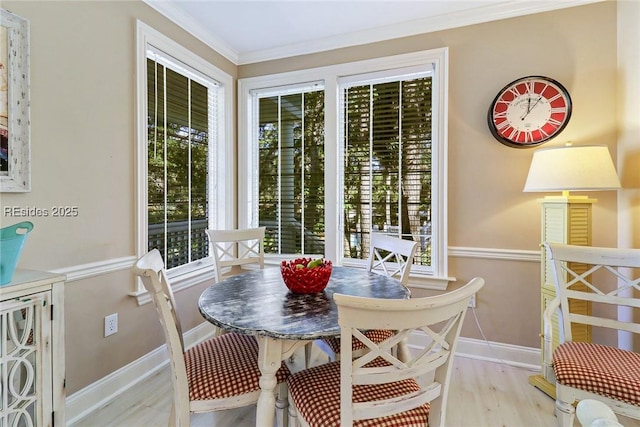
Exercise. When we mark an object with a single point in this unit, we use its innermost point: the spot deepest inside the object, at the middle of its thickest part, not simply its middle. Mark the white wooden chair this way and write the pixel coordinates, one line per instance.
(233, 249)
(217, 374)
(389, 256)
(602, 277)
(378, 389)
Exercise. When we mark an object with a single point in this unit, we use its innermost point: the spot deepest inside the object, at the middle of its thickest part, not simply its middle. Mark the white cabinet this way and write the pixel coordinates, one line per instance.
(32, 371)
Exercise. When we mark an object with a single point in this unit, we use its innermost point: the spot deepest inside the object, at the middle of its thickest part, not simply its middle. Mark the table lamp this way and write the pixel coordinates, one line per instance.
(566, 219)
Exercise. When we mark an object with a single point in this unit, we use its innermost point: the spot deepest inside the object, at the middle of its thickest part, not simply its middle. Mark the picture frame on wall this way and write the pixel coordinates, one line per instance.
(15, 157)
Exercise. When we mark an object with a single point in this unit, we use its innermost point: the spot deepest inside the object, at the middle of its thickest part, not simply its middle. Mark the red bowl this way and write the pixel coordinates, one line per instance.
(303, 280)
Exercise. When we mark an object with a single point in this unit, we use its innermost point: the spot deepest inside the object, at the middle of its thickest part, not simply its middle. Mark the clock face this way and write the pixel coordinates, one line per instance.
(529, 111)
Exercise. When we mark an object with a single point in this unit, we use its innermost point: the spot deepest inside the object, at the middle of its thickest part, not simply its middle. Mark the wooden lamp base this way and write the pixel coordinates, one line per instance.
(540, 382)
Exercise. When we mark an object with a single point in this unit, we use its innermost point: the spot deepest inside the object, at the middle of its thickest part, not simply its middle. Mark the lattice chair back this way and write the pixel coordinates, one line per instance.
(424, 378)
(377, 387)
(233, 249)
(391, 256)
(606, 281)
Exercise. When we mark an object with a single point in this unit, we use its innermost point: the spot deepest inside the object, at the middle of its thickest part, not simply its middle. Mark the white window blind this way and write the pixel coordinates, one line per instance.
(182, 111)
(386, 125)
(289, 153)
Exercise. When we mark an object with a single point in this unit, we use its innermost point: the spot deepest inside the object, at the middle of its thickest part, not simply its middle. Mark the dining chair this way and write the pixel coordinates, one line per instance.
(377, 388)
(602, 279)
(216, 374)
(389, 256)
(233, 249)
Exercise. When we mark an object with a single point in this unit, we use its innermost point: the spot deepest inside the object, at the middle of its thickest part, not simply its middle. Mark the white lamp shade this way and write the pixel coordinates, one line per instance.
(572, 168)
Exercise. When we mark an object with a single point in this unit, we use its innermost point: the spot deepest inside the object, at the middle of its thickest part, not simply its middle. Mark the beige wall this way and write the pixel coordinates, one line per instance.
(487, 208)
(83, 144)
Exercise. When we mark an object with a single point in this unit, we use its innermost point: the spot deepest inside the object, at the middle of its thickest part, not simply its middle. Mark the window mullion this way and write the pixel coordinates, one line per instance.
(370, 158)
(279, 215)
(189, 183)
(302, 188)
(400, 148)
(164, 165)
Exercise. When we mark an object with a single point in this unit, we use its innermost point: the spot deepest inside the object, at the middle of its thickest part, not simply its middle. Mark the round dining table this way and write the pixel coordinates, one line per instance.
(259, 303)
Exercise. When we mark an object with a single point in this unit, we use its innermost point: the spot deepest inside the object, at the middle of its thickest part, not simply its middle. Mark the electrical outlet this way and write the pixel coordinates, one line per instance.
(472, 301)
(110, 324)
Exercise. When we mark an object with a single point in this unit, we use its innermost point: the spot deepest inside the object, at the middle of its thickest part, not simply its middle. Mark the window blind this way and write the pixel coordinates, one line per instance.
(387, 159)
(181, 122)
(290, 189)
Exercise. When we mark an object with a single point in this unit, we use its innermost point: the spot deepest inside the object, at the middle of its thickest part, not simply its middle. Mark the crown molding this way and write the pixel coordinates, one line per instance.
(478, 15)
(495, 12)
(186, 22)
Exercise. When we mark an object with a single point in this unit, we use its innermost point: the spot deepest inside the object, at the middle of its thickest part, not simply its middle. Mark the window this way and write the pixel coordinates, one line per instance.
(386, 141)
(384, 157)
(183, 129)
(290, 185)
(178, 151)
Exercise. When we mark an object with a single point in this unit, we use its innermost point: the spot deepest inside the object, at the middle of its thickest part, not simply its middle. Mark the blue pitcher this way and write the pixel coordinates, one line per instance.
(12, 240)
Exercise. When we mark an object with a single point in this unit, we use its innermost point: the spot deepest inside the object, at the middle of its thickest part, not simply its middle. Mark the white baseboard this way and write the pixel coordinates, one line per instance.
(507, 354)
(92, 397)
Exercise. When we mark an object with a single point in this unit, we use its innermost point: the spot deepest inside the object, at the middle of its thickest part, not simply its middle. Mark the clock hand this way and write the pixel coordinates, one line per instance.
(532, 107)
(528, 109)
(536, 103)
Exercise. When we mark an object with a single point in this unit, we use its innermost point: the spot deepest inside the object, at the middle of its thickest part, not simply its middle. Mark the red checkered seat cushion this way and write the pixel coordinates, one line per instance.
(225, 366)
(375, 335)
(316, 393)
(600, 369)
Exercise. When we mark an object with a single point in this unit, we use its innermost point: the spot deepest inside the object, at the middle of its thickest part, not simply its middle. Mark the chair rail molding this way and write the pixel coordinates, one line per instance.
(495, 253)
(85, 271)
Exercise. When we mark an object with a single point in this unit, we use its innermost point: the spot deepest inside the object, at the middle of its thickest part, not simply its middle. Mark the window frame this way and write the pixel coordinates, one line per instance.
(222, 169)
(331, 76)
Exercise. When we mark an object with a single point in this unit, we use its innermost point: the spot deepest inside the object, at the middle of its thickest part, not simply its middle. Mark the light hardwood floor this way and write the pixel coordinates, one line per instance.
(482, 394)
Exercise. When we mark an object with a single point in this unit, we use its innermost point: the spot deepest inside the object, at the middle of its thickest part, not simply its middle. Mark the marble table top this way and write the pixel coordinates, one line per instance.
(259, 303)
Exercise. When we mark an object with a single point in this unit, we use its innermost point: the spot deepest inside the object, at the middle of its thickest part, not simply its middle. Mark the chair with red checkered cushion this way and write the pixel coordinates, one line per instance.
(389, 256)
(601, 279)
(217, 374)
(232, 250)
(377, 388)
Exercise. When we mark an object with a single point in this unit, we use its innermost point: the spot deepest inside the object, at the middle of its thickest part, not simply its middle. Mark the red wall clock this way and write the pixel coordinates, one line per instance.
(529, 111)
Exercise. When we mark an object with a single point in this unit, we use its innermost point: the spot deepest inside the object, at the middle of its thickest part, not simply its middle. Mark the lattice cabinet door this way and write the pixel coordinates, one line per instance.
(25, 361)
